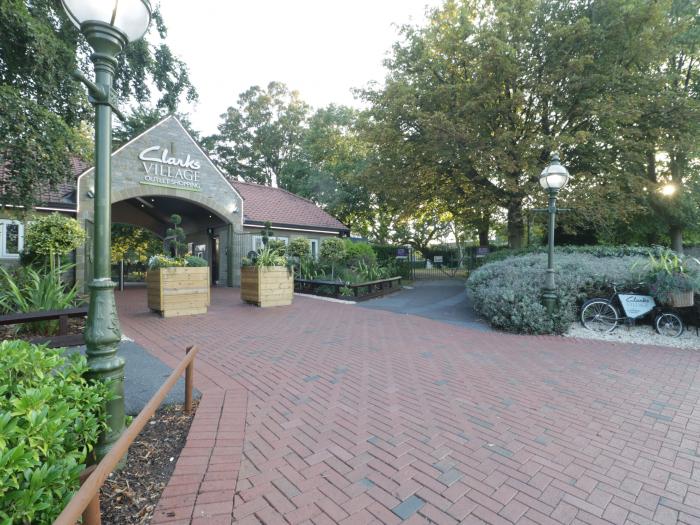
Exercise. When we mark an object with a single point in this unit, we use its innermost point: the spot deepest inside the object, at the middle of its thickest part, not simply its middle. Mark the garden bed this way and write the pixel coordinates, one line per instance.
(340, 290)
(129, 496)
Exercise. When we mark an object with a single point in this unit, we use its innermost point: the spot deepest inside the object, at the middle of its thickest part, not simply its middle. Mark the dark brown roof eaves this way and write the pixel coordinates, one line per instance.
(63, 194)
(283, 209)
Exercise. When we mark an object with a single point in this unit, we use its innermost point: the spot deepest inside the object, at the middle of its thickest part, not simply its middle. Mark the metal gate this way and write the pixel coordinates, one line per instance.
(448, 264)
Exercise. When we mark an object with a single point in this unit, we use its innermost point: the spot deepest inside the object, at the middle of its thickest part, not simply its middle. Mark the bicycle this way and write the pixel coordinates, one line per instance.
(602, 315)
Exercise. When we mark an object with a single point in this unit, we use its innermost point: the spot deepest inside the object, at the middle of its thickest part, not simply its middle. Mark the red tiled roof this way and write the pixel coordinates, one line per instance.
(282, 208)
(62, 195)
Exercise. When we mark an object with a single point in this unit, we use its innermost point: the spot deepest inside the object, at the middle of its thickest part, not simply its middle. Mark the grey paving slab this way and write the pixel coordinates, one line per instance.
(143, 376)
(444, 300)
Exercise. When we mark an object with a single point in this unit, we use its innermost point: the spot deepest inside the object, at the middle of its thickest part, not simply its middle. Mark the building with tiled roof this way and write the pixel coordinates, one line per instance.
(164, 171)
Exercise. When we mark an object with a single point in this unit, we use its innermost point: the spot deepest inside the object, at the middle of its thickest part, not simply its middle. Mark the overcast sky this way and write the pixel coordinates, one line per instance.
(321, 48)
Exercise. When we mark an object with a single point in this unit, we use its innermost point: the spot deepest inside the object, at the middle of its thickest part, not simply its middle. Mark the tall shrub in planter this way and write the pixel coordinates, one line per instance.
(267, 281)
(50, 418)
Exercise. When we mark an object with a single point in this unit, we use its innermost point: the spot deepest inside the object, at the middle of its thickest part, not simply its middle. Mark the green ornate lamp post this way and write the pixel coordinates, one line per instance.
(108, 25)
(552, 179)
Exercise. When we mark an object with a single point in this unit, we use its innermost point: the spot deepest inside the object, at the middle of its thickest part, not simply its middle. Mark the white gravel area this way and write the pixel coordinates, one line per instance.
(640, 334)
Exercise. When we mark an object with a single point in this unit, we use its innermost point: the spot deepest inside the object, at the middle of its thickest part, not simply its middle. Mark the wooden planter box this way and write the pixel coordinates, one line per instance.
(178, 291)
(272, 286)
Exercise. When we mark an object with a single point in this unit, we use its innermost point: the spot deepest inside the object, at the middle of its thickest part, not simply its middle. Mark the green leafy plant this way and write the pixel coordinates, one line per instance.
(177, 236)
(53, 236)
(50, 419)
(195, 261)
(346, 291)
(359, 252)
(31, 290)
(508, 293)
(277, 245)
(266, 233)
(299, 247)
(164, 261)
(268, 257)
(333, 251)
(667, 273)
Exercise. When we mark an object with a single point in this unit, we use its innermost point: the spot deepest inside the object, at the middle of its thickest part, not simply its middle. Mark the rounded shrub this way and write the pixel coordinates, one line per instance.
(359, 252)
(508, 293)
(50, 418)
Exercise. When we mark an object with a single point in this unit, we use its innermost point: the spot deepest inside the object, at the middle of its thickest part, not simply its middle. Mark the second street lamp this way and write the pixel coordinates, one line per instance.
(552, 179)
(108, 25)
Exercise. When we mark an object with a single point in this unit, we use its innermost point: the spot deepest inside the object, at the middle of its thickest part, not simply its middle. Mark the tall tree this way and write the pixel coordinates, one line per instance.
(42, 107)
(476, 101)
(259, 139)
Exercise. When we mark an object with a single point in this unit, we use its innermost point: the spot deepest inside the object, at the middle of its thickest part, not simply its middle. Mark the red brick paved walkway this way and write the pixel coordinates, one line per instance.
(328, 413)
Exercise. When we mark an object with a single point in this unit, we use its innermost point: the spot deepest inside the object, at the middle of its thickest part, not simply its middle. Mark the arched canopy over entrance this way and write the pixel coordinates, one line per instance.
(161, 172)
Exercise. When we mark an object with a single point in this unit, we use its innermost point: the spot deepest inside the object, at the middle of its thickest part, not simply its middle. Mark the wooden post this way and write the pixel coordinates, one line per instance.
(91, 514)
(189, 380)
(63, 325)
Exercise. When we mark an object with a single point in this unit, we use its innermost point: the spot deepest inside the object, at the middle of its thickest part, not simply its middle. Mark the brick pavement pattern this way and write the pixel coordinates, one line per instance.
(329, 413)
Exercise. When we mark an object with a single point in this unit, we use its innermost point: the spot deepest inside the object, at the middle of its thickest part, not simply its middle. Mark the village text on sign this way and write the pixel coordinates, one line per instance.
(161, 169)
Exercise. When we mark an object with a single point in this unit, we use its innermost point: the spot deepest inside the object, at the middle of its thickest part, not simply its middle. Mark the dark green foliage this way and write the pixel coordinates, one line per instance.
(359, 252)
(508, 293)
(195, 261)
(42, 107)
(33, 290)
(176, 236)
(50, 418)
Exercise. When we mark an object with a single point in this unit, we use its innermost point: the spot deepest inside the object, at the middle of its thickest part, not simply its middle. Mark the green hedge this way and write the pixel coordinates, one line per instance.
(508, 293)
(601, 250)
(50, 418)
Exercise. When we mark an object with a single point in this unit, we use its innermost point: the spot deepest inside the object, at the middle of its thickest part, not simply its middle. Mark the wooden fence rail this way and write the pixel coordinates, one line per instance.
(86, 501)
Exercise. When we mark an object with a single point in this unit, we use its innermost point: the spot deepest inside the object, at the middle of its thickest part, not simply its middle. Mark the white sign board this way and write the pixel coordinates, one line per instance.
(437, 259)
(637, 305)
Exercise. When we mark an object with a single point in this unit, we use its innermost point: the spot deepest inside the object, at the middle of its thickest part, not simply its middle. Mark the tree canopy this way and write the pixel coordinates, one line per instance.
(42, 109)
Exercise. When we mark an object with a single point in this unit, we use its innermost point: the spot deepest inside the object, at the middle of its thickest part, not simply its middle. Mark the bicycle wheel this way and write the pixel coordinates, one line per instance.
(669, 324)
(599, 315)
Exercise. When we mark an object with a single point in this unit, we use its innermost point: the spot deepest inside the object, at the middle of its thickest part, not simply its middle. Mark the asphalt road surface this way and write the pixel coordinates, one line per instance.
(443, 300)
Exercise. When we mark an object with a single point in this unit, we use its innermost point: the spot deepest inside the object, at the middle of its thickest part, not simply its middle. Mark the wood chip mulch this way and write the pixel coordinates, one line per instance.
(129, 496)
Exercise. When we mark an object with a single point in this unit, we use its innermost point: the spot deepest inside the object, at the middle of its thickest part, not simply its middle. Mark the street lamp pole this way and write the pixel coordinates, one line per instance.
(553, 178)
(549, 294)
(108, 27)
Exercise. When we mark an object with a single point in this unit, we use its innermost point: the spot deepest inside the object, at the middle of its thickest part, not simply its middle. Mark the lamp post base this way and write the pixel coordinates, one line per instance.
(102, 337)
(549, 299)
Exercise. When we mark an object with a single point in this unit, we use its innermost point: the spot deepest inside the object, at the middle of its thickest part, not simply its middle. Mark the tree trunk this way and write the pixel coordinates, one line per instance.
(677, 239)
(516, 226)
(484, 233)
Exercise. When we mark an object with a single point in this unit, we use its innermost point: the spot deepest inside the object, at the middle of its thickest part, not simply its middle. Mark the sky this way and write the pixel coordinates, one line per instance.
(321, 48)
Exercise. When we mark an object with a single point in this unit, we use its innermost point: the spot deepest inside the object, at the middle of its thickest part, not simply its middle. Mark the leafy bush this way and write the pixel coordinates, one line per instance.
(195, 261)
(50, 418)
(165, 261)
(359, 252)
(508, 293)
(668, 273)
(299, 247)
(277, 245)
(265, 258)
(30, 290)
(333, 251)
(53, 236)
(621, 250)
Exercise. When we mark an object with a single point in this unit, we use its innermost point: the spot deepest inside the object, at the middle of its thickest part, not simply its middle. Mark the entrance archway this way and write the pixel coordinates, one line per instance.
(160, 172)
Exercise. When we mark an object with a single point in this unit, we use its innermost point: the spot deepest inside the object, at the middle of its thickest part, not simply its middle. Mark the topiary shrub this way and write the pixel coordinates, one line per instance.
(333, 251)
(50, 418)
(299, 247)
(53, 236)
(508, 293)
